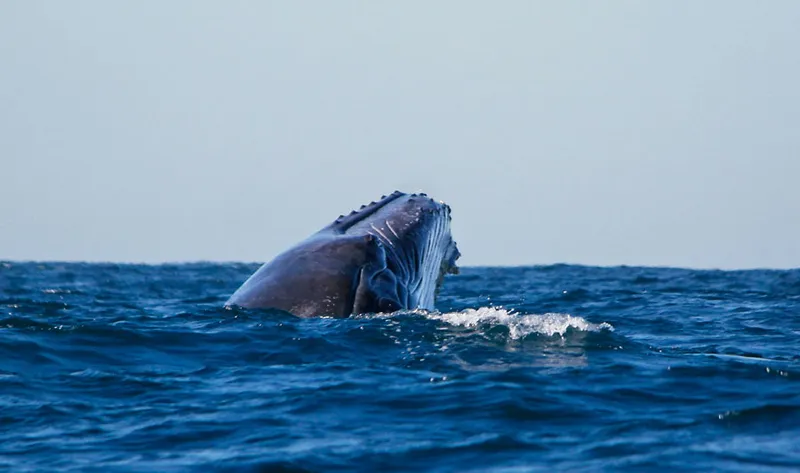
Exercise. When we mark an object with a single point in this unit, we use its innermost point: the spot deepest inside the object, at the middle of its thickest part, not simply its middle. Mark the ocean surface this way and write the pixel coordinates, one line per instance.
(137, 368)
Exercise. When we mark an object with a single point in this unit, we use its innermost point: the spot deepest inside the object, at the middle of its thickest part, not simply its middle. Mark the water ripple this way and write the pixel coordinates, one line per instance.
(112, 367)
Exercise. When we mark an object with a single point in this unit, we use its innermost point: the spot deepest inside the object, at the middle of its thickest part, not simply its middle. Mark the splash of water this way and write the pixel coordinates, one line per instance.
(520, 325)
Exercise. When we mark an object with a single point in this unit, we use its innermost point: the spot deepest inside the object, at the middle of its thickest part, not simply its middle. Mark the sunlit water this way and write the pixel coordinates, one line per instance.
(557, 368)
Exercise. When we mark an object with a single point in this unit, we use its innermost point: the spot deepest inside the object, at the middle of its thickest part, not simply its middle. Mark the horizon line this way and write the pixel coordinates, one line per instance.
(4, 262)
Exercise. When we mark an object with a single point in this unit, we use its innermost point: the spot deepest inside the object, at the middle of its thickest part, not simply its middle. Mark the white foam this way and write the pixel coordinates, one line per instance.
(520, 325)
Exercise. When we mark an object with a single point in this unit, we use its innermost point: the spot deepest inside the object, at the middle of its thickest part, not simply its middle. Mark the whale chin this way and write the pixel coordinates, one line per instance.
(389, 255)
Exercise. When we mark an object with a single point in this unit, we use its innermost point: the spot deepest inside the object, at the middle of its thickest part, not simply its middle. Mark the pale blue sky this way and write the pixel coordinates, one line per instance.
(625, 132)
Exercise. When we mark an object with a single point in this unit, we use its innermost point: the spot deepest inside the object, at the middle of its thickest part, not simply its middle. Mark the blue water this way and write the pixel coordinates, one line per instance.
(561, 368)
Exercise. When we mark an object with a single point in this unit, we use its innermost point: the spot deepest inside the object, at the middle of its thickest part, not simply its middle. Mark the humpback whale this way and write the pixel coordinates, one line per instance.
(389, 255)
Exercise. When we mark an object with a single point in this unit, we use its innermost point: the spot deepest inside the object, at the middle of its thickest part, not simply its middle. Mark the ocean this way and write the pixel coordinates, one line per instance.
(139, 368)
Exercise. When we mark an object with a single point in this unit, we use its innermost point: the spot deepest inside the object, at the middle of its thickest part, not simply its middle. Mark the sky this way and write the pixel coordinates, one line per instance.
(599, 133)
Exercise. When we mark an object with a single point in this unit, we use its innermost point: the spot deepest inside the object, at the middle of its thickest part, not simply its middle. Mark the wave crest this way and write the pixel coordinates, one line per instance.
(520, 325)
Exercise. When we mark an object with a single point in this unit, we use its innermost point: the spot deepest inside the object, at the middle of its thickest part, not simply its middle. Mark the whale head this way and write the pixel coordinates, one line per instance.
(388, 255)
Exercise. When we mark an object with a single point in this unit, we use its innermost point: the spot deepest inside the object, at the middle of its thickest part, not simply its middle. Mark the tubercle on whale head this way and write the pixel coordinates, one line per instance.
(344, 221)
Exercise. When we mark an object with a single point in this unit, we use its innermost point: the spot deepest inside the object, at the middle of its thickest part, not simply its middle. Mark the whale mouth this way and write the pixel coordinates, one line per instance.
(414, 231)
(451, 267)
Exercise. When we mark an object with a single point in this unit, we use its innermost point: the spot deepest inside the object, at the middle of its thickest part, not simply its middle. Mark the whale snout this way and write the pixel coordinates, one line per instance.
(451, 258)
